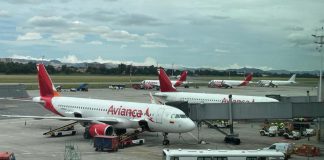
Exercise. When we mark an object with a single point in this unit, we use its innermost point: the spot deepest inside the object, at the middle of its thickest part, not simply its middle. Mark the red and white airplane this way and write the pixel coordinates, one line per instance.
(181, 81)
(103, 117)
(169, 94)
(230, 83)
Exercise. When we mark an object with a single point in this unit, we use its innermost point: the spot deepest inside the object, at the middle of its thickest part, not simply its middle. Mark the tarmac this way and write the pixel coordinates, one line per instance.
(25, 137)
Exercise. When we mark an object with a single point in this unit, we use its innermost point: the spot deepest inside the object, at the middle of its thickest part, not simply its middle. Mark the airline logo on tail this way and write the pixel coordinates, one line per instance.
(165, 83)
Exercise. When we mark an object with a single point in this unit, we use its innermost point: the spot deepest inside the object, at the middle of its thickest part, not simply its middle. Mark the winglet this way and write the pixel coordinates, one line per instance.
(165, 83)
(46, 87)
(152, 99)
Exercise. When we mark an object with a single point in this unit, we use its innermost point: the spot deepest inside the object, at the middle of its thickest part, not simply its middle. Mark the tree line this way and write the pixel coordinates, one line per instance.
(122, 69)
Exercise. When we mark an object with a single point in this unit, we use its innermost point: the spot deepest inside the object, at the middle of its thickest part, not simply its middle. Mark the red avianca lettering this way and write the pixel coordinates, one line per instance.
(125, 112)
(225, 100)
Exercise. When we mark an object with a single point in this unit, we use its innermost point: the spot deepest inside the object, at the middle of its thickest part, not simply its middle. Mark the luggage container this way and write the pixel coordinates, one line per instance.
(109, 143)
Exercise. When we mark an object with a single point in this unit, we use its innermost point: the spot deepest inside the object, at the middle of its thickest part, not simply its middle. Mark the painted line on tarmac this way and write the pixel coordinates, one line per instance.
(193, 136)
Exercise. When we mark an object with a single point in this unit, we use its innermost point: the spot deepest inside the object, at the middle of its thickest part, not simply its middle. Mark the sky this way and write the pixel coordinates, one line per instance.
(220, 34)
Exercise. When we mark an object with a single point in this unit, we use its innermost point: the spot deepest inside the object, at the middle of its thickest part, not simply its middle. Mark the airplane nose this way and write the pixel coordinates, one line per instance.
(190, 125)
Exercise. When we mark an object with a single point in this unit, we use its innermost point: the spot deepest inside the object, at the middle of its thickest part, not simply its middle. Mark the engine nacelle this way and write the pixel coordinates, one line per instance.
(100, 129)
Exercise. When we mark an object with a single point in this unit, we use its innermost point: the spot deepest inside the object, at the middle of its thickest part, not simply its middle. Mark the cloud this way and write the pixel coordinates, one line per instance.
(96, 42)
(29, 36)
(4, 13)
(220, 50)
(27, 1)
(138, 19)
(120, 36)
(300, 39)
(129, 19)
(54, 21)
(151, 44)
(67, 37)
(16, 56)
(294, 28)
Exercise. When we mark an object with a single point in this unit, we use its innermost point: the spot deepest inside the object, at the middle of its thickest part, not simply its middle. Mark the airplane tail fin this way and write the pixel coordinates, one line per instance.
(46, 87)
(182, 78)
(165, 83)
(247, 80)
(292, 78)
(249, 77)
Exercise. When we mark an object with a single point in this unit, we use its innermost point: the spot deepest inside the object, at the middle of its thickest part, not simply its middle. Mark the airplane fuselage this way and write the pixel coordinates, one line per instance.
(227, 83)
(160, 118)
(209, 98)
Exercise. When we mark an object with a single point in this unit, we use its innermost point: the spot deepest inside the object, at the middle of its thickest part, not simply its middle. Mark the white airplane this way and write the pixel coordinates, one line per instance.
(276, 83)
(103, 117)
(230, 83)
(181, 81)
(169, 94)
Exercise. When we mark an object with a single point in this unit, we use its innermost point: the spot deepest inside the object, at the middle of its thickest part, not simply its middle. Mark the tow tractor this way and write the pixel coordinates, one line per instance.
(271, 131)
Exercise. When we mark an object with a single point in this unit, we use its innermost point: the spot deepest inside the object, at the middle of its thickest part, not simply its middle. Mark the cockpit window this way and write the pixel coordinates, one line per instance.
(183, 116)
(177, 116)
(173, 116)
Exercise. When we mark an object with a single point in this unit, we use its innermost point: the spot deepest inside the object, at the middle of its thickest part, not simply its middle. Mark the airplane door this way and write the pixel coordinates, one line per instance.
(159, 115)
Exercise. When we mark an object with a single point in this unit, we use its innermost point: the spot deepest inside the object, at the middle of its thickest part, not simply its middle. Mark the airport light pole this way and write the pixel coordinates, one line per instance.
(319, 40)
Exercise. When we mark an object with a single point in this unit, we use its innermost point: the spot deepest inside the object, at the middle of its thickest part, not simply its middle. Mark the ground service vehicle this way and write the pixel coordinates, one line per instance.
(7, 156)
(189, 154)
(106, 143)
(292, 135)
(271, 131)
(286, 148)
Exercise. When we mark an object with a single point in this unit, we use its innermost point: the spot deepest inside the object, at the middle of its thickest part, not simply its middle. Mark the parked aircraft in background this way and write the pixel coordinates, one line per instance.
(103, 117)
(169, 94)
(230, 83)
(276, 83)
(149, 84)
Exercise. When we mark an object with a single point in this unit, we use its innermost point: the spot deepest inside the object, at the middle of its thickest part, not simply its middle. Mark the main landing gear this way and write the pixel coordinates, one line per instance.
(165, 139)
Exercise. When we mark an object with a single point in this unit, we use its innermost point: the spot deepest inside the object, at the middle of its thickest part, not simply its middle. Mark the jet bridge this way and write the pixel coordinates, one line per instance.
(250, 111)
(202, 112)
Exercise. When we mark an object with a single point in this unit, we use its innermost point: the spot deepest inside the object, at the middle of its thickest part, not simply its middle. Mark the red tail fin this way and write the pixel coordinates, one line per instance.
(248, 77)
(247, 80)
(182, 78)
(165, 83)
(46, 87)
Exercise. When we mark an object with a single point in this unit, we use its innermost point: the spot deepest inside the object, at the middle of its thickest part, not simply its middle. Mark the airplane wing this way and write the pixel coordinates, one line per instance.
(17, 99)
(90, 119)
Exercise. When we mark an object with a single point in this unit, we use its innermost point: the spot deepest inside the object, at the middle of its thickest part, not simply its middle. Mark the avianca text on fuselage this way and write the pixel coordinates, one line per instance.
(126, 112)
(225, 100)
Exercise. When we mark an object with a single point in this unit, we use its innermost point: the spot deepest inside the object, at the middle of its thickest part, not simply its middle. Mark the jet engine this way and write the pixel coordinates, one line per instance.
(98, 129)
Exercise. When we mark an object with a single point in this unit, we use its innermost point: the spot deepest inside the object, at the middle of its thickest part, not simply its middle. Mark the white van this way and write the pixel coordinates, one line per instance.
(286, 148)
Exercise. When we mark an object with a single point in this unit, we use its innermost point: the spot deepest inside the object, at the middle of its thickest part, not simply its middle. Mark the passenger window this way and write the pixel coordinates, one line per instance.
(251, 158)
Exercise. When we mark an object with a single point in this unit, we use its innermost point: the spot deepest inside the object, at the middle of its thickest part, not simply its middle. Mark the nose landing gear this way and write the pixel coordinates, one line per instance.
(165, 139)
